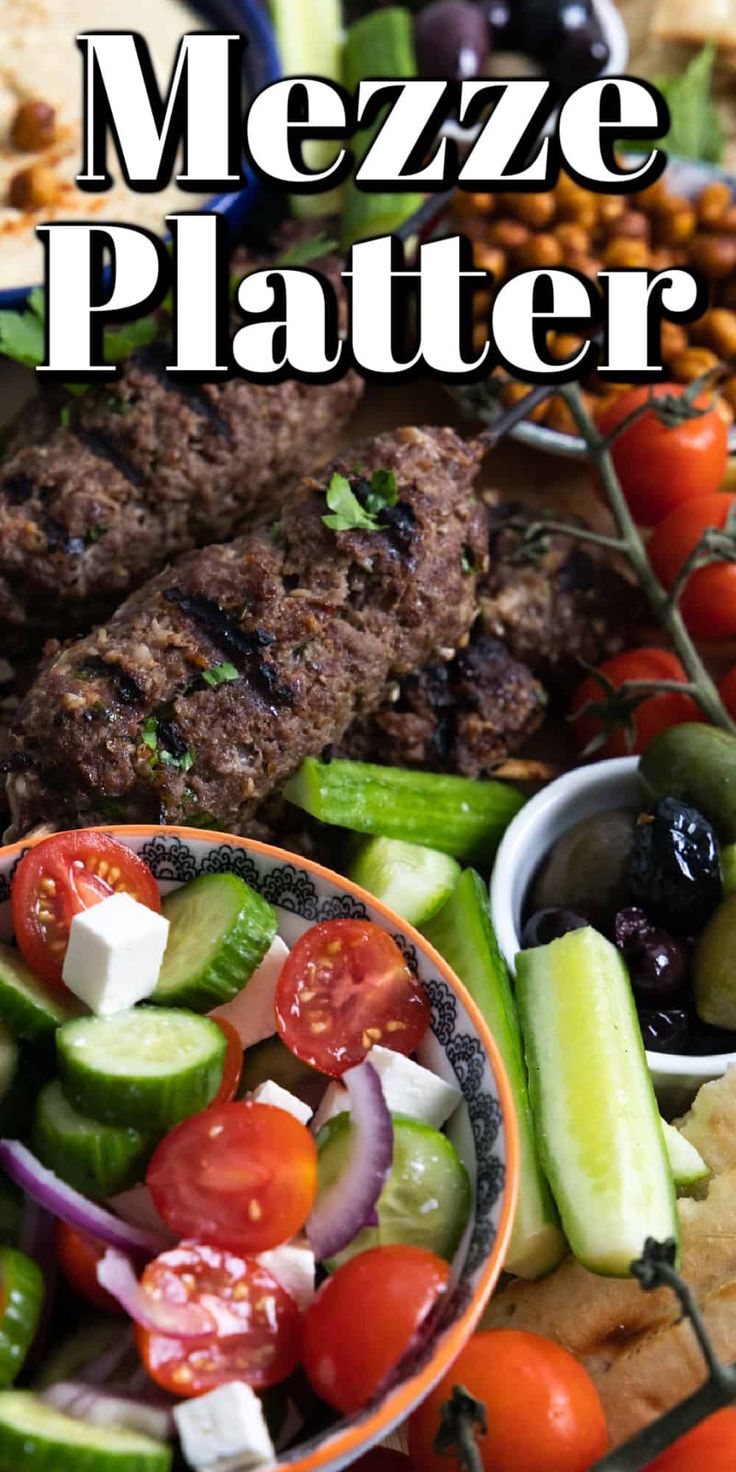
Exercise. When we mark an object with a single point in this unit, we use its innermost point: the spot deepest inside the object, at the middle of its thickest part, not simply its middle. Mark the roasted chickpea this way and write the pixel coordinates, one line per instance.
(587, 265)
(634, 225)
(573, 238)
(490, 258)
(713, 203)
(676, 225)
(727, 223)
(652, 197)
(465, 203)
(718, 329)
(611, 207)
(693, 363)
(539, 250)
(480, 335)
(536, 210)
(713, 255)
(564, 345)
(31, 189)
(674, 340)
(34, 126)
(626, 254)
(507, 234)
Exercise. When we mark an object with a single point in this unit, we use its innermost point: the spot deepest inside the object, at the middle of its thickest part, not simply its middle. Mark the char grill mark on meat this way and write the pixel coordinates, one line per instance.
(245, 650)
(339, 617)
(144, 471)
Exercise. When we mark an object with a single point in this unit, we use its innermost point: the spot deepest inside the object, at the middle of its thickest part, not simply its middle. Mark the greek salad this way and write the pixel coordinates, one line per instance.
(236, 1183)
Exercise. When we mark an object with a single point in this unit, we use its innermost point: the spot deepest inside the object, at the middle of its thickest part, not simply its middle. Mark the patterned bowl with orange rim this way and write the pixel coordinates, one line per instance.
(459, 1047)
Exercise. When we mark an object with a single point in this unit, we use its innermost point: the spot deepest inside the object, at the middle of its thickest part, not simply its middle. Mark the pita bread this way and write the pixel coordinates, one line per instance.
(697, 21)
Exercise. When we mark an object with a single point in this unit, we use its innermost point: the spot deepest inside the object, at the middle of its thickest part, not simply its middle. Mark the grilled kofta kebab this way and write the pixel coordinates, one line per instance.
(101, 489)
(212, 682)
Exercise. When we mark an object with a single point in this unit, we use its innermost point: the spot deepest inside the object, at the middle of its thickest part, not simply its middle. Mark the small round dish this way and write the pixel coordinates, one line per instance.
(579, 794)
(261, 66)
(459, 1047)
(684, 177)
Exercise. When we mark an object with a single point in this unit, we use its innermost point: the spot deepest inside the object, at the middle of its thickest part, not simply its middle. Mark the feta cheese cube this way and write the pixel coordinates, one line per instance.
(293, 1266)
(114, 954)
(407, 1088)
(225, 1429)
(251, 1012)
(272, 1093)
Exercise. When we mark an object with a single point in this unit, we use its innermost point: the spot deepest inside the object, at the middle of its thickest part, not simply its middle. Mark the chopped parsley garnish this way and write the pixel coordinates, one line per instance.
(23, 336)
(159, 755)
(220, 674)
(468, 562)
(350, 514)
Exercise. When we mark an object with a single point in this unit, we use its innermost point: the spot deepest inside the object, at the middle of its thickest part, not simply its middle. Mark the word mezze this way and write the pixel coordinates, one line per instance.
(291, 322)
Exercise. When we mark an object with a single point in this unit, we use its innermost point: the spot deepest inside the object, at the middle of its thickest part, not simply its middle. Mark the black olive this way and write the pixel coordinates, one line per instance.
(674, 868)
(548, 925)
(658, 964)
(665, 1032)
(453, 40)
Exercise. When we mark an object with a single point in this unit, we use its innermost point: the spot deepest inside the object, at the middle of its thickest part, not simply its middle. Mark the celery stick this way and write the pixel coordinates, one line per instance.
(381, 44)
(462, 932)
(456, 815)
(309, 36)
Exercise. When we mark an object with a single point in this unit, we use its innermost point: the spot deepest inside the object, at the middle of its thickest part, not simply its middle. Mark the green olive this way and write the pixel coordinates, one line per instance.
(698, 764)
(714, 969)
(728, 868)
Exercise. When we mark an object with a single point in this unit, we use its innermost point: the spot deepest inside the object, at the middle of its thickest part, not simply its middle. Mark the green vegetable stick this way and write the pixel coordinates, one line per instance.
(379, 45)
(309, 36)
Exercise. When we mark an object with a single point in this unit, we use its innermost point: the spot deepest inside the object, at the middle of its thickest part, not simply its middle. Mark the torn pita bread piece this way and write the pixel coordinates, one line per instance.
(641, 1357)
(696, 22)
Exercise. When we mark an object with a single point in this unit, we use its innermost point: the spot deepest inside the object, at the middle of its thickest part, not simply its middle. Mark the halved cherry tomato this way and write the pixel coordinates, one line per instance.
(711, 1445)
(653, 715)
(65, 874)
(239, 1175)
(259, 1321)
(661, 467)
(365, 1318)
(77, 1255)
(544, 1413)
(233, 1066)
(344, 987)
(708, 603)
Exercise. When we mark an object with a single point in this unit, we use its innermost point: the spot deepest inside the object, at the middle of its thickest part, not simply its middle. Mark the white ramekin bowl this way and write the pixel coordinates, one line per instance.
(579, 794)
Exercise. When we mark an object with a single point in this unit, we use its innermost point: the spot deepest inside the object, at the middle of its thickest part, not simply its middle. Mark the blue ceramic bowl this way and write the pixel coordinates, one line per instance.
(262, 66)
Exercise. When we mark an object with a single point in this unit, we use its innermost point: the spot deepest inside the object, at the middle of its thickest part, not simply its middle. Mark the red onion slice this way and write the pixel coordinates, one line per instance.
(103, 1408)
(179, 1320)
(350, 1203)
(70, 1206)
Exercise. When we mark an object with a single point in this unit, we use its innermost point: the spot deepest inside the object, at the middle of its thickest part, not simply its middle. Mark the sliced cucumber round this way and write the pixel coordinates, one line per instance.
(97, 1159)
(148, 1068)
(426, 1200)
(21, 1301)
(37, 1438)
(686, 1163)
(413, 881)
(220, 931)
(599, 1130)
(29, 1008)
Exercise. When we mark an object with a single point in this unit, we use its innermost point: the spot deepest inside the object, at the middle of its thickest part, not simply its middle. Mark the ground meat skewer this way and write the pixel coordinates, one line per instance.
(304, 629)
(137, 472)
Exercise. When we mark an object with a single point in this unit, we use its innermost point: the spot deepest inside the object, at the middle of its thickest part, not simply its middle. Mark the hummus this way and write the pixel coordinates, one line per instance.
(41, 64)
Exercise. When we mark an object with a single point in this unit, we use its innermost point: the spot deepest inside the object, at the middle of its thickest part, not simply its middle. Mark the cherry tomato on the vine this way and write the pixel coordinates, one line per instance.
(654, 714)
(77, 1255)
(364, 1319)
(260, 1322)
(708, 603)
(711, 1445)
(239, 1175)
(661, 467)
(344, 987)
(62, 876)
(544, 1413)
